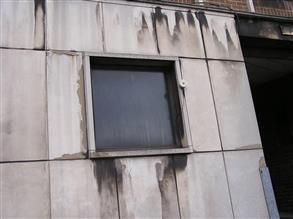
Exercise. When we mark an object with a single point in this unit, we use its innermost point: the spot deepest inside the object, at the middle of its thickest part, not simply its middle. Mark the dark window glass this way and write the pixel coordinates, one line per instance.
(131, 108)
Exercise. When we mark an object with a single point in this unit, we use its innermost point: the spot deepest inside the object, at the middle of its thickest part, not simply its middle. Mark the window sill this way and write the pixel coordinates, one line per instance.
(137, 153)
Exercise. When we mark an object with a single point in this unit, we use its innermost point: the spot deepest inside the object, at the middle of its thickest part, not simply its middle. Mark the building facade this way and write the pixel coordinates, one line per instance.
(60, 159)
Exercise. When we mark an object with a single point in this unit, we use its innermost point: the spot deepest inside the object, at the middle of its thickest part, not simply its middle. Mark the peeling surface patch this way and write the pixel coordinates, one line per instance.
(66, 106)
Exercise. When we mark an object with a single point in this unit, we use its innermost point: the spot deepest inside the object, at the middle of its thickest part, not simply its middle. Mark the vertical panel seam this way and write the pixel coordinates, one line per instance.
(211, 87)
(47, 134)
(117, 192)
(177, 193)
(1, 125)
(228, 184)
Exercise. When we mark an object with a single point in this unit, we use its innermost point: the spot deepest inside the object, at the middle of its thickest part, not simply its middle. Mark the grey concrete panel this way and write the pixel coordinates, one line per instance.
(83, 189)
(24, 190)
(74, 25)
(178, 33)
(23, 113)
(234, 105)
(245, 183)
(202, 186)
(129, 29)
(200, 105)
(22, 24)
(220, 36)
(146, 188)
(66, 107)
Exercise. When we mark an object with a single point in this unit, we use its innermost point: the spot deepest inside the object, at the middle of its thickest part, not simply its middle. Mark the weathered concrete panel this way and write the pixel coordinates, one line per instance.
(83, 189)
(245, 183)
(234, 105)
(24, 190)
(200, 105)
(178, 33)
(23, 114)
(202, 186)
(129, 29)
(22, 24)
(220, 36)
(147, 188)
(74, 25)
(66, 108)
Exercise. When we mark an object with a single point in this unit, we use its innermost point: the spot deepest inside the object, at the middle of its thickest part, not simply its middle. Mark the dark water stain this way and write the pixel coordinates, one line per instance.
(218, 43)
(166, 181)
(125, 212)
(98, 23)
(40, 5)
(181, 36)
(105, 174)
(231, 46)
(177, 28)
(202, 19)
(160, 17)
(143, 33)
(180, 162)
(190, 19)
(178, 18)
(162, 20)
(144, 23)
(104, 171)
(120, 168)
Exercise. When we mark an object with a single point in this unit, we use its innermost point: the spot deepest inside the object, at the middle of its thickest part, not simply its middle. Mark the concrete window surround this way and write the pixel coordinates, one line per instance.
(186, 144)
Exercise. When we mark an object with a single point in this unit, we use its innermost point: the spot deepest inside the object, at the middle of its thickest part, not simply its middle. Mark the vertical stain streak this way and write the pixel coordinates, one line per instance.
(40, 9)
(143, 33)
(190, 19)
(166, 181)
(155, 33)
(158, 19)
(105, 174)
(99, 15)
(177, 28)
(231, 46)
(218, 43)
(202, 19)
(122, 202)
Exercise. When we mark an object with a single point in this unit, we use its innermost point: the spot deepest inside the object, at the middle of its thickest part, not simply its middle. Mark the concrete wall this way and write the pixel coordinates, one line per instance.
(43, 153)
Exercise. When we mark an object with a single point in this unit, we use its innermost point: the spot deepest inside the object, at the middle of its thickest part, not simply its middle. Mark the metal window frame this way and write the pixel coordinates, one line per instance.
(186, 141)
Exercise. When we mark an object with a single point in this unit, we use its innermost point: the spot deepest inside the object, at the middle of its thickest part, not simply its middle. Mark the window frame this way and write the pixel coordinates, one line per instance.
(185, 143)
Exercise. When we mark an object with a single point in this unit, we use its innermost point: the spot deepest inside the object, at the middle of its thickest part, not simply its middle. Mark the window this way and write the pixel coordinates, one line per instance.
(135, 106)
